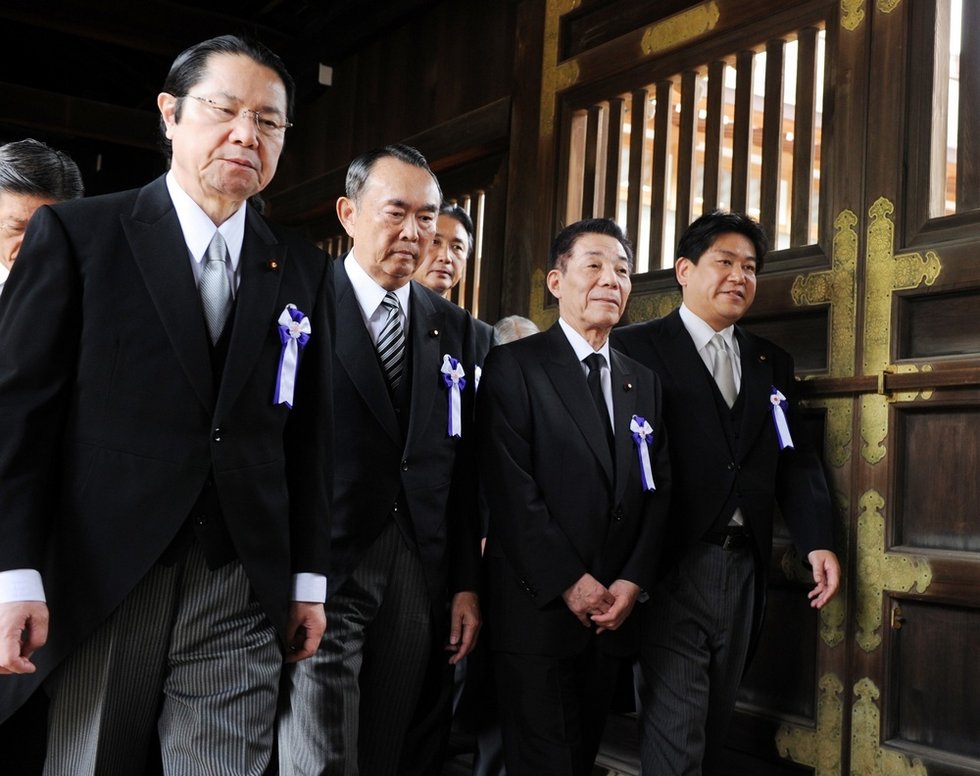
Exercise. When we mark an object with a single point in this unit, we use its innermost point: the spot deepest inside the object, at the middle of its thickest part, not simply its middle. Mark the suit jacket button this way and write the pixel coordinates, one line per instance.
(405, 465)
(618, 513)
(216, 435)
(201, 520)
(731, 466)
(395, 507)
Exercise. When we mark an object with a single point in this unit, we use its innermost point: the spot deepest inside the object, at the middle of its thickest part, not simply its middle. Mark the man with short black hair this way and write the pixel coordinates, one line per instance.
(735, 450)
(165, 416)
(31, 174)
(575, 460)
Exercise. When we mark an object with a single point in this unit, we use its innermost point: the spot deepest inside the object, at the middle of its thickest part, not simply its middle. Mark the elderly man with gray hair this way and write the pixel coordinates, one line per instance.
(31, 174)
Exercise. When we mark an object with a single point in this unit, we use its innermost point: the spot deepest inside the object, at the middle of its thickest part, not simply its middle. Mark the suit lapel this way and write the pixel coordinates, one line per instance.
(356, 355)
(426, 333)
(565, 372)
(624, 407)
(255, 312)
(755, 389)
(682, 365)
(159, 250)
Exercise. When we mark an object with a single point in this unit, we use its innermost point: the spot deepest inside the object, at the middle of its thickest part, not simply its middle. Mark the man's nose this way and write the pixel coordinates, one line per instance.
(244, 129)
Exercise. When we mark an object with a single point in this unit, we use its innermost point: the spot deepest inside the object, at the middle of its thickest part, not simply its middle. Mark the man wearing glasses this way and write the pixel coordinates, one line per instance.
(31, 174)
(165, 411)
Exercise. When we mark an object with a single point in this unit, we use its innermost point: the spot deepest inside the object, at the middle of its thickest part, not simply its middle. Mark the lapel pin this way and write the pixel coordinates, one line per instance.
(433, 332)
(627, 386)
(272, 265)
(762, 358)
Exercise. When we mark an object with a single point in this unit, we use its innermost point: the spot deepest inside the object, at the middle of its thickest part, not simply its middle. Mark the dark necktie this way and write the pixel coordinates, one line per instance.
(215, 288)
(595, 362)
(391, 341)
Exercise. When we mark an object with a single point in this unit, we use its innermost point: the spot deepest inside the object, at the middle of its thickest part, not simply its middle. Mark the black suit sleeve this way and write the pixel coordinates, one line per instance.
(40, 325)
(532, 540)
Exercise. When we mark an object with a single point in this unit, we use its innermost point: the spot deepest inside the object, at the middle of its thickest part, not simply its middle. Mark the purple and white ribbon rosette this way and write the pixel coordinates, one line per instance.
(643, 437)
(779, 408)
(454, 376)
(294, 331)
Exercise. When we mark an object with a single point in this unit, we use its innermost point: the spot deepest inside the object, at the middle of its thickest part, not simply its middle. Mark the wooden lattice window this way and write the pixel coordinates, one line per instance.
(742, 131)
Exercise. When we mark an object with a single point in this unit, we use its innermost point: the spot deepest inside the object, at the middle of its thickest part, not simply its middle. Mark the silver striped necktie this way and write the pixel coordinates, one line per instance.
(391, 341)
(215, 288)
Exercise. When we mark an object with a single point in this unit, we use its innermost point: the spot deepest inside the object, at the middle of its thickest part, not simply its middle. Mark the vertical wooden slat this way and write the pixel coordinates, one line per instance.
(614, 144)
(968, 131)
(742, 129)
(685, 149)
(661, 130)
(713, 127)
(634, 197)
(806, 75)
(589, 163)
(772, 139)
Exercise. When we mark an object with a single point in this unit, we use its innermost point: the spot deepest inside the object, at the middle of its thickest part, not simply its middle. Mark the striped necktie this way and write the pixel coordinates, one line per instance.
(214, 287)
(391, 341)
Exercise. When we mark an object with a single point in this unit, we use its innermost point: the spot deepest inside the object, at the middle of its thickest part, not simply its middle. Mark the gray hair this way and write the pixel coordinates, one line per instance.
(513, 327)
(360, 168)
(33, 168)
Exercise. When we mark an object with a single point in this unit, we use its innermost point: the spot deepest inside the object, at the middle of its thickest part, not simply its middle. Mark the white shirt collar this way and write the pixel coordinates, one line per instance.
(199, 229)
(702, 333)
(4, 274)
(581, 346)
(369, 293)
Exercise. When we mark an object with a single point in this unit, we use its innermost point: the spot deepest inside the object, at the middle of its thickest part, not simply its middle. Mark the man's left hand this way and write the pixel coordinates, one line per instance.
(625, 593)
(826, 575)
(305, 627)
(464, 625)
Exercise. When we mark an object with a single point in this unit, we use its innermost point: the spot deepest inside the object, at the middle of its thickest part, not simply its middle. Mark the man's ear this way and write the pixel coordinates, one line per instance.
(346, 210)
(682, 268)
(167, 104)
(554, 283)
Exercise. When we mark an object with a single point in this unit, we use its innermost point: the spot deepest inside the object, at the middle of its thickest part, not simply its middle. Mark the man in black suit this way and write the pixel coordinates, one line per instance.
(730, 410)
(164, 444)
(577, 481)
(405, 548)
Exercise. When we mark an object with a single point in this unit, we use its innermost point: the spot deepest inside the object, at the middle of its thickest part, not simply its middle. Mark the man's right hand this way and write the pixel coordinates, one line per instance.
(586, 597)
(23, 631)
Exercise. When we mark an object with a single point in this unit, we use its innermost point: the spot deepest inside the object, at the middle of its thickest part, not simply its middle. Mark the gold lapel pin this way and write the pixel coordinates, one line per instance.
(272, 265)
(627, 386)
(762, 358)
(433, 332)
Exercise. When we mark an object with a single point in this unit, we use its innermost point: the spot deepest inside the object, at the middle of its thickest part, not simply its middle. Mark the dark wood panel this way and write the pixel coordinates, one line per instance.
(661, 121)
(638, 121)
(781, 677)
(600, 22)
(742, 130)
(687, 126)
(803, 129)
(713, 131)
(590, 162)
(936, 696)
(614, 140)
(939, 455)
(939, 325)
(968, 132)
(802, 334)
(772, 137)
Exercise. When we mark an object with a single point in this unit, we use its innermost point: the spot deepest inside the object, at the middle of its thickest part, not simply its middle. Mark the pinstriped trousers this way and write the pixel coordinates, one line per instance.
(347, 708)
(696, 630)
(188, 655)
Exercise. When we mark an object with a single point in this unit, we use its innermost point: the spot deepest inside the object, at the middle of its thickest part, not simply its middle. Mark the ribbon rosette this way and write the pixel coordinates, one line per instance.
(779, 407)
(643, 437)
(454, 376)
(294, 331)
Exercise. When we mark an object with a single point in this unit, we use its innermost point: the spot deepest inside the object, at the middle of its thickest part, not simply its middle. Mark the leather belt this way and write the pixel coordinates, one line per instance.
(734, 537)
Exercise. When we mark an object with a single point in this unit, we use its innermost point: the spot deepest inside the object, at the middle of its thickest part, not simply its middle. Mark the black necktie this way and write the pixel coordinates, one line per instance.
(595, 363)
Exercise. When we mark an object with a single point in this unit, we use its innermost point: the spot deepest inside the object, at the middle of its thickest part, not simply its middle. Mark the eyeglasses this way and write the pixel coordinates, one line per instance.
(268, 123)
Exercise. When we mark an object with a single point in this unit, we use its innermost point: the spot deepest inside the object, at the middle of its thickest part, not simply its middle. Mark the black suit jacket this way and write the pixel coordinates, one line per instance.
(111, 424)
(380, 472)
(706, 469)
(560, 504)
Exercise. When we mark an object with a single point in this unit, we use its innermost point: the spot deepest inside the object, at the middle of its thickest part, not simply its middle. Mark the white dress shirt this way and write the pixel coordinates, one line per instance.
(702, 334)
(369, 295)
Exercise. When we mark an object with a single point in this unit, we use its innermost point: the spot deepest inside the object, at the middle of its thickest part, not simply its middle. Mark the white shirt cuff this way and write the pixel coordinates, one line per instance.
(21, 585)
(309, 588)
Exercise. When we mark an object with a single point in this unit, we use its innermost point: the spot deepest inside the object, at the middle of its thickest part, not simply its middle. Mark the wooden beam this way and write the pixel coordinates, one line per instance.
(27, 107)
